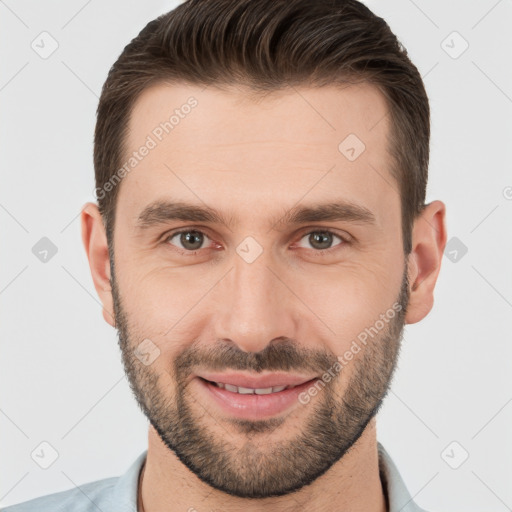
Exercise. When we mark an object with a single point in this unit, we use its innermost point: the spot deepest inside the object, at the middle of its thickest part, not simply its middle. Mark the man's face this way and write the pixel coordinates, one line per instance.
(277, 291)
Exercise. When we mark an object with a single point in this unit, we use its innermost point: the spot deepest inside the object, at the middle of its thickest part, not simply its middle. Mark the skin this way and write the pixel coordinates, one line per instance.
(254, 160)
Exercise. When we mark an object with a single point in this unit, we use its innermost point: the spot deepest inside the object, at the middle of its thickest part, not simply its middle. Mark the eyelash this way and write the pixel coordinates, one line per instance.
(344, 239)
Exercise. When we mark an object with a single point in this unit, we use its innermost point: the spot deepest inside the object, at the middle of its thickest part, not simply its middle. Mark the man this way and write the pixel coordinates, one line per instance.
(260, 240)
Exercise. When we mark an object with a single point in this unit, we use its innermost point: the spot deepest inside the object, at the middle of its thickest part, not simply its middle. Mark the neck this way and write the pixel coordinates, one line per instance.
(353, 483)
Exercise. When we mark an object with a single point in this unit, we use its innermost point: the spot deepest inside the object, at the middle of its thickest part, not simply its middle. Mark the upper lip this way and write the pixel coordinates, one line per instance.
(245, 380)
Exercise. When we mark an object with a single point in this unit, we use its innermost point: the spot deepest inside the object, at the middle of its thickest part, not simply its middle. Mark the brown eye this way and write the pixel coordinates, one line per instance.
(189, 240)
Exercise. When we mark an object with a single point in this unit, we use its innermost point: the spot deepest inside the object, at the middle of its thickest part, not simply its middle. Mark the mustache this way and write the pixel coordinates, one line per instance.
(281, 354)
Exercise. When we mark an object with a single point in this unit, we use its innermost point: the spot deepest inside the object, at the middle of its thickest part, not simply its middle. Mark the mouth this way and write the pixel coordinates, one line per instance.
(250, 397)
(250, 391)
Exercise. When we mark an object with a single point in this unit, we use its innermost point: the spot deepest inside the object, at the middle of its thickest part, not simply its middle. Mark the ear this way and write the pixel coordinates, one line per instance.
(95, 242)
(424, 263)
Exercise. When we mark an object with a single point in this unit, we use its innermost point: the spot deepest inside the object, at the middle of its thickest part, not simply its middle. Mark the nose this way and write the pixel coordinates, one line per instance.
(254, 305)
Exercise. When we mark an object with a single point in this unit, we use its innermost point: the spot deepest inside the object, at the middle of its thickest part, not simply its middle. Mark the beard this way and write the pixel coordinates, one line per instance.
(249, 464)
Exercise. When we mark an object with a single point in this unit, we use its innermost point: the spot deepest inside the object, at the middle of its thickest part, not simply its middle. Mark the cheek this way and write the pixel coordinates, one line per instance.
(160, 296)
(352, 299)
(152, 312)
(166, 307)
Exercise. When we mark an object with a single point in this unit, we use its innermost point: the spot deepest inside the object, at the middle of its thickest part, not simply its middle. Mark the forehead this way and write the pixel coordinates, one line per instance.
(239, 115)
(234, 150)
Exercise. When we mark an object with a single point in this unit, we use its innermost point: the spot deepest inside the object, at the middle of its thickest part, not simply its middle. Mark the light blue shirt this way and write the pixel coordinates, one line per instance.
(119, 494)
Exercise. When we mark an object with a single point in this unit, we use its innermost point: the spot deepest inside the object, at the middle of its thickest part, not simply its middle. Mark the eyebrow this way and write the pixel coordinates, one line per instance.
(161, 212)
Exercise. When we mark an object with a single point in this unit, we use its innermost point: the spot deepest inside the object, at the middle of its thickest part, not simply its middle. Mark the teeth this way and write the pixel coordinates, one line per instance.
(251, 391)
(263, 391)
(245, 391)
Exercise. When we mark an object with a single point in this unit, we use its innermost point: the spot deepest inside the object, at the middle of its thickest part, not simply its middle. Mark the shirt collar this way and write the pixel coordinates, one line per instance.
(399, 498)
(124, 495)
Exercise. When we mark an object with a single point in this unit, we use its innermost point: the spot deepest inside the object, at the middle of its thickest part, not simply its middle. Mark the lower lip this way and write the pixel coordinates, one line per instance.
(253, 407)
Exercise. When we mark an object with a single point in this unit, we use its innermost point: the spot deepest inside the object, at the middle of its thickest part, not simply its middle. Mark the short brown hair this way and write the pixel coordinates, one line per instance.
(268, 45)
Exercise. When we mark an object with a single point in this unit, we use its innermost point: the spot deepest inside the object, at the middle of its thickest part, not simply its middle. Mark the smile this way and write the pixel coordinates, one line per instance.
(251, 391)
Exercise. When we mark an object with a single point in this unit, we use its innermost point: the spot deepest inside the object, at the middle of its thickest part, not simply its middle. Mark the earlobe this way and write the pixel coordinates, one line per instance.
(428, 243)
(96, 247)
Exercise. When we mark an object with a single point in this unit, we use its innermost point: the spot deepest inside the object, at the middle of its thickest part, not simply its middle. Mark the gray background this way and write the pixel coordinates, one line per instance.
(61, 376)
